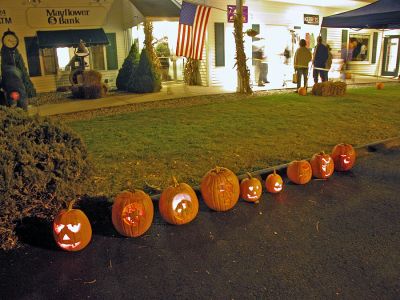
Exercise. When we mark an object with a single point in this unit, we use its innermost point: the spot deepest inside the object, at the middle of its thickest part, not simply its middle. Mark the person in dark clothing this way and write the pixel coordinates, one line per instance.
(320, 57)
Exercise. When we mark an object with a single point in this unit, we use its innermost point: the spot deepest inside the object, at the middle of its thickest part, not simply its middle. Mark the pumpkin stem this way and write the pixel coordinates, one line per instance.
(322, 153)
(249, 175)
(71, 204)
(274, 171)
(217, 169)
(174, 181)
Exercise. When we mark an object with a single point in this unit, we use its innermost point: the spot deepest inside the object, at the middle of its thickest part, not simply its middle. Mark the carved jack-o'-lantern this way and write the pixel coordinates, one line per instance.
(71, 229)
(132, 213)
(274, 183)
(299, 171)
(322, 165)
(178, 203)
(250, 189)
(344, 157)
(220, 189)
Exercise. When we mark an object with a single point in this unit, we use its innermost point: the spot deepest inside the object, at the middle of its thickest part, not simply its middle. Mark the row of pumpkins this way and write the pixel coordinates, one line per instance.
(132, 212)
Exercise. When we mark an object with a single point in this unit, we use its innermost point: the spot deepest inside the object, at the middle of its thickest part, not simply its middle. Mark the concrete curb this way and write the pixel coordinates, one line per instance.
(362, 151)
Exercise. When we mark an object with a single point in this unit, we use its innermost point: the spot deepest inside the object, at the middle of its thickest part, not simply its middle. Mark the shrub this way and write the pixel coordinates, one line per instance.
(146, 79)
(128, 68)
(42, 165)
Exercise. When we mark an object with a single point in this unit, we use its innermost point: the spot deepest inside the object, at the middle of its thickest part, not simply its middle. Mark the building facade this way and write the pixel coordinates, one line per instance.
(49, 31)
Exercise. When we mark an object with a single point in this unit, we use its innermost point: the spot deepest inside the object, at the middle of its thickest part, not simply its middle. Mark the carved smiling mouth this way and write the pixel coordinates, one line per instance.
(69, 246)
(277, 187)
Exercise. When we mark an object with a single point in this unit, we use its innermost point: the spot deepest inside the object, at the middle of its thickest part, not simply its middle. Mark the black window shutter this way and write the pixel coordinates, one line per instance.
(324, 34)
(345, 34)
(111, 52)
(32, 54)
(374, 46)
(219, 44)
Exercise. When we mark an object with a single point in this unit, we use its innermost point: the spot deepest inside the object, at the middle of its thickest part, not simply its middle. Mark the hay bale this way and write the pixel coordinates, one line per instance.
(329, 88)
(91, 77)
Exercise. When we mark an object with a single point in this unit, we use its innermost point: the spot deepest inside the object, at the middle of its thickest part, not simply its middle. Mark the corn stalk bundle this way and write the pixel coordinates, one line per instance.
(244, 72)
(192, 72)
(148, 42)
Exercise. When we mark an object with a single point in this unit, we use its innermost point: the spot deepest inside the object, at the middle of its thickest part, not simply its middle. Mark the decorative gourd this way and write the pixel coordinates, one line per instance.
(348, 75)
(380, 85)
(132, 213)
(344, 157)
(178, 203)
(220, 189)
(299, 171)
(322, 165)
(250, 189)
(302, 91)
(71, 229)
(274, 183)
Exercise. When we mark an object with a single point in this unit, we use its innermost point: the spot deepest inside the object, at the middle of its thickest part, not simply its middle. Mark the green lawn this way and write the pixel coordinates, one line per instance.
(147, 147)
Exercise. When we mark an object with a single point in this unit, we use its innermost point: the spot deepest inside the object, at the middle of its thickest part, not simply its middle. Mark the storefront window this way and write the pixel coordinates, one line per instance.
(359, 47)
(63, 57)
(49, 61)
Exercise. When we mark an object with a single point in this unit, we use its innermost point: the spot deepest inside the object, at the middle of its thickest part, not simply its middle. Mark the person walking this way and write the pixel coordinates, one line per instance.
(302, 58)
(319, 61)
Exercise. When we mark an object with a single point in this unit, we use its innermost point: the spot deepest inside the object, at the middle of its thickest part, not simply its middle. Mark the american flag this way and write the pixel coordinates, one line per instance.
(192, 30)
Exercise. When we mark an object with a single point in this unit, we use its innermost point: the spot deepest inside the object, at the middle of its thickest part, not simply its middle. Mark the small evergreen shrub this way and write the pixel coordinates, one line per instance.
(128, 68)
(43, 164)
(145, 79)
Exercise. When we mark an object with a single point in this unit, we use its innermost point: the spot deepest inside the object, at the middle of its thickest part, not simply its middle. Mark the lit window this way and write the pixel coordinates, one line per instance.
(359, 47)
(63, 57)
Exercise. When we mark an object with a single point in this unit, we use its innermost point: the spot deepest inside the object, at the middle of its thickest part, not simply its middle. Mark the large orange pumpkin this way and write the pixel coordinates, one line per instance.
(250, 189)
(274, 183)
(178, 203)
(344, 157)
(220, 189)
(132, 213)
(322, 165)
(299, 171)
(71, 229)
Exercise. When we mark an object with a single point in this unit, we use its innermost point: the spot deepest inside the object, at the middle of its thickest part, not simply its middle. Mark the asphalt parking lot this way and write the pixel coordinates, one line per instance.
(338, 238)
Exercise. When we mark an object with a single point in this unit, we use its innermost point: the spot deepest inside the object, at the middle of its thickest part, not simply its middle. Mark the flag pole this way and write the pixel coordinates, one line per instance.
(192, 2)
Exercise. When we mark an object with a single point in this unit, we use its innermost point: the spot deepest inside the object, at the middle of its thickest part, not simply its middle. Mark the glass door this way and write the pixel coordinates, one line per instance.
(391, 46)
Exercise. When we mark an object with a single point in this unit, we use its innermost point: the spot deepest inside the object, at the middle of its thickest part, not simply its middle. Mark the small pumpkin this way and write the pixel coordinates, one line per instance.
(344, 157)
(299, 171)
(220, 189)
(178, 203)
(348, 75)
(322, 165)
(71, 229)
(132, 213)
(274, 183)
(302, 91)
(250, 189)
(380, 85)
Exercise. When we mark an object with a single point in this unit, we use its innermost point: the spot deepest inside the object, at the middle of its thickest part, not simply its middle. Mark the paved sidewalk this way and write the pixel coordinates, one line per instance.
(169, 91)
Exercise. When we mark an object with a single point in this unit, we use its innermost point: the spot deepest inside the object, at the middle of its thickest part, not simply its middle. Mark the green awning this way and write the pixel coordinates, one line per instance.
(158, 8)
(71, 38)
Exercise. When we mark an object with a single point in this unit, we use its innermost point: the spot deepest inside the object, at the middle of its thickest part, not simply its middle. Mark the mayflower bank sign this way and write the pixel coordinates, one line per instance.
(66, 17)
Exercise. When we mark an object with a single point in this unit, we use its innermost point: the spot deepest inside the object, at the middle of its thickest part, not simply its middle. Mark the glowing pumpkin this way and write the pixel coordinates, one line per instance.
(250, 189)
(302, 91)
(274, 183)
(132, 213)
(380, 85)
(220, 189)
(71, 229)
(322, 165)
(178, 203)
(344, 157)
(299, 171)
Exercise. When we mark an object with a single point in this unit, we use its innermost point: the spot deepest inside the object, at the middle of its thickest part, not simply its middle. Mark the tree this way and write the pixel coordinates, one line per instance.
(145, 79)
(128, 68)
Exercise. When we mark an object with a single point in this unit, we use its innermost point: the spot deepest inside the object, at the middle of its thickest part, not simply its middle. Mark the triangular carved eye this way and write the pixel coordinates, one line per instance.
(66, 237)
(74, 228)
(58, 228)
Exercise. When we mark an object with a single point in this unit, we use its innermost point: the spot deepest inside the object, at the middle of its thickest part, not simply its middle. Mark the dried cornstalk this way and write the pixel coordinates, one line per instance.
(192, 72)
(148, 43)
(243, 71)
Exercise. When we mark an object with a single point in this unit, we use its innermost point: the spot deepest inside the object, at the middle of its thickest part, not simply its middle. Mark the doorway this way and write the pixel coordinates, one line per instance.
(391, 49)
